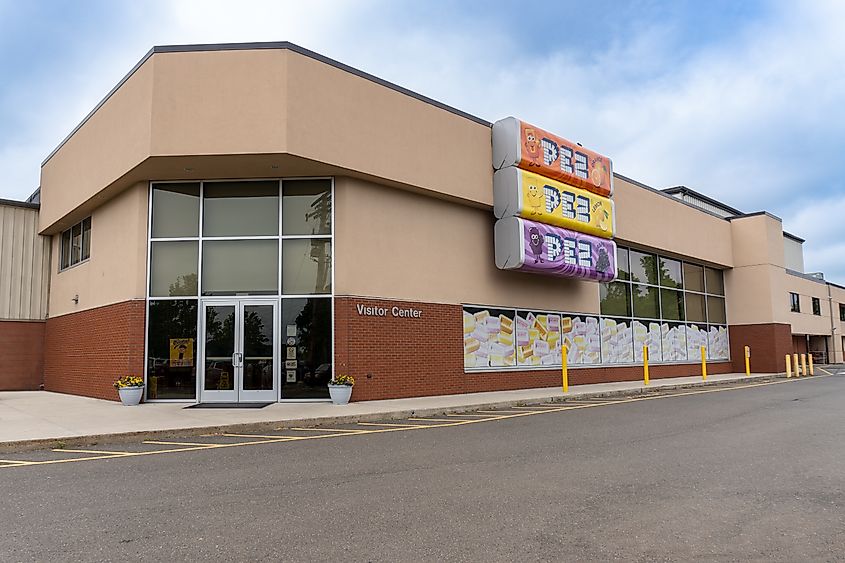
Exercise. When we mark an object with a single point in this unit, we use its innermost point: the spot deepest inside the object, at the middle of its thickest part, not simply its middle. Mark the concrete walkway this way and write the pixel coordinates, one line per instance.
(30, 418)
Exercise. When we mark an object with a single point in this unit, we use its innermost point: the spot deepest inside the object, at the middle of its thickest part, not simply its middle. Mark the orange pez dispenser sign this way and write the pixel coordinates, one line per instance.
(516, 143)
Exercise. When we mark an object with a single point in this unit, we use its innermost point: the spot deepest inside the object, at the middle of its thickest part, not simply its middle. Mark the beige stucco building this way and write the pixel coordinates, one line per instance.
(237, 222)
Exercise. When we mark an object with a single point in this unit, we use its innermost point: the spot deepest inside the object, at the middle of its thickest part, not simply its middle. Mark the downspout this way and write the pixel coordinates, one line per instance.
(832, 326)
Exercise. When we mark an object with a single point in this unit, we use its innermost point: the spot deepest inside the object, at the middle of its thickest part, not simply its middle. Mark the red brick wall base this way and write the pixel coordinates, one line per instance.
(21, 355)
(86, 352)
(769, 345)
(391, 356)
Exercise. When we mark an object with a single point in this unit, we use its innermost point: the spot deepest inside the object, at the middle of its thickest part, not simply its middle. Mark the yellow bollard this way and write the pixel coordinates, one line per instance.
(811, 364)
(747, 361)
(796, 365)
(704, 363)
(788, 365)
(645, 365)
(565, 372)
(804, 371)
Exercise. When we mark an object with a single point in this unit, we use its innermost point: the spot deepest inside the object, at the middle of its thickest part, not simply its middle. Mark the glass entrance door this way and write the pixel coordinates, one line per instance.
(240, 356)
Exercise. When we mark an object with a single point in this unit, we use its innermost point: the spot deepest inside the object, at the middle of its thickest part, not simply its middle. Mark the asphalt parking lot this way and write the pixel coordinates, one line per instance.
(740, 471)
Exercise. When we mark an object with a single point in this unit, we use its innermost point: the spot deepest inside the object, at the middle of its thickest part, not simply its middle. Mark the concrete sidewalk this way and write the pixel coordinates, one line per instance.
(32, 418)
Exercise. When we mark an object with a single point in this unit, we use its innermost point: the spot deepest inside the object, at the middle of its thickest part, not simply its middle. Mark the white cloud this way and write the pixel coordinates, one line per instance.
(753, 119)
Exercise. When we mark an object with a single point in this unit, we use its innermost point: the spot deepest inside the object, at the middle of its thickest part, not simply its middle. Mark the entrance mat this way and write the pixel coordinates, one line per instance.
(229, 406)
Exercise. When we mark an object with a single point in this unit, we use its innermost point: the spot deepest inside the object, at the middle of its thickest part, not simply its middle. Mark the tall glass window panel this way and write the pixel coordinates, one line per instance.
(615, 299)
(674, 340)
(718, 345)
(76, 244)
(219, 348)
(622, 268)
(86, 239)
(645, 302)
(258, 336)
(696, 338)
(715, 310)
(240, 267)
(617, 341)
(670, 273)
(307, 207)
(65, 251)
(307, 334)
(672, 304)
(715, 281)
(647, 333)
(176, 210)
(173, 268)
(172, 349)
(306, 266)
(695, 308)
(643, 267)
(233, 209)
(693, 277)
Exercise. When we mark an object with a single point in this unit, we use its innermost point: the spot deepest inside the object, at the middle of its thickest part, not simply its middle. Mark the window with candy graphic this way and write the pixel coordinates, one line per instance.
(507, 338)
(488, 337)
(540, 338)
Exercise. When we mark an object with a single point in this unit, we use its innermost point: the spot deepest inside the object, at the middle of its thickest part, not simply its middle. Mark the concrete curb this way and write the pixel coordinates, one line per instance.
(269, 426)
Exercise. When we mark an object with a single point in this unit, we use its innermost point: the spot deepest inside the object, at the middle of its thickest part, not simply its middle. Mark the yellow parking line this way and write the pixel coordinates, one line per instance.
(390, 424)
(469, 414)
(436, 419)
(506, 411)
(347, 430)
(96, 452)
(166, 443)
(535, 407)
(392, 427)
(269, 436)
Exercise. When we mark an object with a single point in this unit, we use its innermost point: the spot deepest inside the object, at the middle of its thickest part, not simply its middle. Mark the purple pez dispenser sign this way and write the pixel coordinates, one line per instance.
(543, 249)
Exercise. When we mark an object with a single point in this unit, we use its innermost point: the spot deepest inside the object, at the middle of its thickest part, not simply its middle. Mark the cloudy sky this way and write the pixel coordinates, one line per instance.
(742, 101)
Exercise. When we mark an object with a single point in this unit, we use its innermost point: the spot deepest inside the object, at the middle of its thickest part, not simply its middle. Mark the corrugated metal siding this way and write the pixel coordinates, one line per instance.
(24, 265)
(701, 204)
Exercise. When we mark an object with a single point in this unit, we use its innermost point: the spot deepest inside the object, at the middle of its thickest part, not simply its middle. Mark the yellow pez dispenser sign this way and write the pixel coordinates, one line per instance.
(518, 193)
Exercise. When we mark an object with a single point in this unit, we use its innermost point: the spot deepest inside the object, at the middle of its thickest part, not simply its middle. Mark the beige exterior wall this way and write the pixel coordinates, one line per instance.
(272, 103)
(116, 271)
(196, 111)
(350, 122)
(644, 217)
(755, 286)
(806, 322)
(24, 264)
(793, 255)
(115, 139)
(396, 244)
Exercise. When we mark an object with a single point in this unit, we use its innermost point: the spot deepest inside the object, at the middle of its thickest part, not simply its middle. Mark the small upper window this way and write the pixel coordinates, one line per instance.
(76, 244)
(841, 312)
(794, 303)
(817, 306)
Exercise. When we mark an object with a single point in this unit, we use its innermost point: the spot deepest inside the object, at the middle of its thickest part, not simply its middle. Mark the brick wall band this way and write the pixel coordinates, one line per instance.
(85, 352)
(393, 356)
(21, 355)
(769, 344)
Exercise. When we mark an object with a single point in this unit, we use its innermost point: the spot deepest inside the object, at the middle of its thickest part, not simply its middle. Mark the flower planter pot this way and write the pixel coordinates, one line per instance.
(130, 396)
(340, 394)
